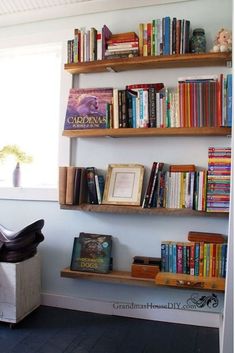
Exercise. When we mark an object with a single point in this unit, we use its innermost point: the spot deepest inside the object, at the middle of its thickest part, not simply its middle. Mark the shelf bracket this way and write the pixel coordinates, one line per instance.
(229, 64)
(110, 69)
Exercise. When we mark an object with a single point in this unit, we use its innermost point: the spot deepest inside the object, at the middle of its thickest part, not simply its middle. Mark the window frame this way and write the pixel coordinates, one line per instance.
(40, 193)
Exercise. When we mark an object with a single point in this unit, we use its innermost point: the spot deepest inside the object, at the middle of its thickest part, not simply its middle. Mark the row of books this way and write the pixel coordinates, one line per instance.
(79, 185)
(185, 187)
(200, 101)
(180, 187)
(219, 175)
(205, 100)
(196, 259)
(164, 36)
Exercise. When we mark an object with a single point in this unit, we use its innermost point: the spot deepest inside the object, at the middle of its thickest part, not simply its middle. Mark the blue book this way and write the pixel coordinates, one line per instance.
(166, 31)
(223, 260)
(170, 257)
(165, 256)
(196, 259)
(229, 100)
(174, 255)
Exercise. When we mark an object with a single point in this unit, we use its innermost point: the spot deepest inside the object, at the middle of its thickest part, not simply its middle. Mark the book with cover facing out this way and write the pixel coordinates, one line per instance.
(86, 108)
(91, 253)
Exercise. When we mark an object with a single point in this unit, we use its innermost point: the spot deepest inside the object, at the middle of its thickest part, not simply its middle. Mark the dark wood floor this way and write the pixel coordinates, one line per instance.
(53, 330)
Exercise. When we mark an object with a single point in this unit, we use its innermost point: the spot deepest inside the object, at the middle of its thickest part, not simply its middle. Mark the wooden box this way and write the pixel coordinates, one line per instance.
(20, 285)
(145, 267)
(187, 281)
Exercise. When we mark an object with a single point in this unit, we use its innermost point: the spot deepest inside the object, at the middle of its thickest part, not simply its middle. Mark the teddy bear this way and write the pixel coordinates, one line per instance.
(223, 41)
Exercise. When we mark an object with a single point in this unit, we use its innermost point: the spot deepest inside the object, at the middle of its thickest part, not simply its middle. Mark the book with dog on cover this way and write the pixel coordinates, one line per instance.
(87, 108)
(91, 253)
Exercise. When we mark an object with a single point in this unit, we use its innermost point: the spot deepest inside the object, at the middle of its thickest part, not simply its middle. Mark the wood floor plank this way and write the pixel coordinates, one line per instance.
(55, 330)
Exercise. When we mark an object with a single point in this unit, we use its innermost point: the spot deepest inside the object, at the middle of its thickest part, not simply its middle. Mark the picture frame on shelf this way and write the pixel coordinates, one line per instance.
(123, 184)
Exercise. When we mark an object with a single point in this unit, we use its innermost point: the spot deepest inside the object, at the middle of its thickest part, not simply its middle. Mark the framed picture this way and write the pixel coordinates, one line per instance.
(123, 184)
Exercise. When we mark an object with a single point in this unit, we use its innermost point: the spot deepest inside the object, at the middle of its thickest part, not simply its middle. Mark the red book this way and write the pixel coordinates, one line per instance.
(157, 86)
(123, 37)
(192, 261)
(179, 254)
(213, 261)
(191, 95)
(149, 36)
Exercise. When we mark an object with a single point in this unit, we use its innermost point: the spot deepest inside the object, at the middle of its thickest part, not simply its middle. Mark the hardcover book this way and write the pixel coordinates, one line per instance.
(87, 108)
(91, 185)
(91, 253)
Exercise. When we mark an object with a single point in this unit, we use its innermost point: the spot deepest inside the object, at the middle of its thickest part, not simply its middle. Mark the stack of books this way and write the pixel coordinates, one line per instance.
(122, 45)
(219, 172)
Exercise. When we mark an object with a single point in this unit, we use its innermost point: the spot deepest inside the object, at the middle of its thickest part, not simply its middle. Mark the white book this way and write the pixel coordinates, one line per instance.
(115, 109)
(199, 78)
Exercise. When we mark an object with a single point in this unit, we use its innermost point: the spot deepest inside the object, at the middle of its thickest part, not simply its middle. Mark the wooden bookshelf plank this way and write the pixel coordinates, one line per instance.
(118, 209)
(150, 132)
(162, 279)
(150, 62)
(192, 282)
(121, 277)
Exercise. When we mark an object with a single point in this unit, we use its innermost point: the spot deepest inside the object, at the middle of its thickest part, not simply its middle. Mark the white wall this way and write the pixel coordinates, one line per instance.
(133, 235)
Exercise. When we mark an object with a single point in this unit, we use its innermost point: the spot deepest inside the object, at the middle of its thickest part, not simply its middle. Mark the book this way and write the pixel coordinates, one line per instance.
(206, 237)
(71, 170)
(91, 253)
(91, 185)
(80, 186)
(86, 108)
(158, 86)
(99, 183)
(106, 34)
(182, 168)
(62, 184)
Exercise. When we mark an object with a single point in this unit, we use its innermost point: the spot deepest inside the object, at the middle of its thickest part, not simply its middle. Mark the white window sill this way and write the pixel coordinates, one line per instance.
(34, 194)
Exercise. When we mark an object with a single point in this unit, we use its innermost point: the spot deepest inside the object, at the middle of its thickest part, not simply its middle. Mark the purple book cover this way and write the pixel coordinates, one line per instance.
(87, 107)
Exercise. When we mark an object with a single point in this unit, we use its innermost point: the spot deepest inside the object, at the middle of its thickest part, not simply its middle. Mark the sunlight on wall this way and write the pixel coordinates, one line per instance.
(29, 112)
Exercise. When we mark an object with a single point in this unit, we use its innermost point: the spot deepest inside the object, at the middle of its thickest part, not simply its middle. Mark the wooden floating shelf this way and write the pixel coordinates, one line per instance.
(191, 282)
(121, 277)
(162, 279)
(118, 209)
(150, 62)
(148, 132)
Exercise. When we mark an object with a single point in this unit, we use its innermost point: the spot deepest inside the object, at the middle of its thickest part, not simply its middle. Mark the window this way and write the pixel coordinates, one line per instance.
(29, 113)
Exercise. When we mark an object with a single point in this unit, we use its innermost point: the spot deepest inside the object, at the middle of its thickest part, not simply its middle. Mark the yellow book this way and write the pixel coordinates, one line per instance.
(201, 259)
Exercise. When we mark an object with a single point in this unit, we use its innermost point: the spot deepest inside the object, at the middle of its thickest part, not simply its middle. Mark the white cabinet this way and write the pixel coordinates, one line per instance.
(20, 285)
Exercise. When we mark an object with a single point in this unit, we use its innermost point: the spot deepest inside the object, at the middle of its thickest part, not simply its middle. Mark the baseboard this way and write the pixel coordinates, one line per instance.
(109, 308)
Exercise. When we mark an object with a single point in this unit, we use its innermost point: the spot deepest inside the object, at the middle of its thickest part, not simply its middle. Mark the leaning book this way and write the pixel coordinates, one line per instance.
(88, 108)
(91, 253)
